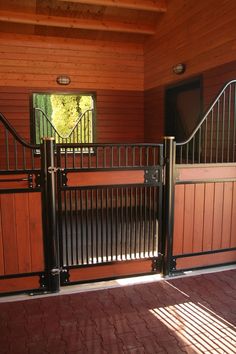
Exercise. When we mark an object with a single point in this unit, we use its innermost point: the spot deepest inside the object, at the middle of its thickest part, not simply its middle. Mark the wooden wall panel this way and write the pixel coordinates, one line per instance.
(21, 233)
(120, 114)
(204, 217)
(35, 61)
(213, 81)
(199, 34)
(154, 115)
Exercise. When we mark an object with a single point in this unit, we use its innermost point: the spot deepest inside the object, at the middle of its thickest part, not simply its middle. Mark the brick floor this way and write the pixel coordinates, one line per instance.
(181, 315)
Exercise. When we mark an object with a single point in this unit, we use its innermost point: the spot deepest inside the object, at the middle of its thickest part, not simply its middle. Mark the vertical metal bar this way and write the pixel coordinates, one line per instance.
(130, 223)
(66, 229)
(71, 229)
(15, 153)
(97, 250)
(76, 228)
(135, 222)
(112, 226)
(92, 225)
(117, 222)
(145, 222)
(217, 129)
(234, 123)
(193, 151)
(7, 150)
(223, 129)
(49, 216)
(107, 223)
(199, 144)
(102, 229)
(112, 157)
(122, 223)
(86, 226)
(205, 142)
(168, 217)
(82, 226)
(24, 159)
(140, 222)
(228, 128)
(126, 223)
(211, 141)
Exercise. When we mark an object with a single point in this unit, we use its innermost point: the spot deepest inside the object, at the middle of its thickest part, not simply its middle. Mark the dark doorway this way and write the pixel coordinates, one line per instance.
(183, 108)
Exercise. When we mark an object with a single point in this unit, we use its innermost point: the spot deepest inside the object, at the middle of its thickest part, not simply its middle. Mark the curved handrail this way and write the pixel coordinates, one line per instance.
(206, 114)
(53, 126)
(12, 130)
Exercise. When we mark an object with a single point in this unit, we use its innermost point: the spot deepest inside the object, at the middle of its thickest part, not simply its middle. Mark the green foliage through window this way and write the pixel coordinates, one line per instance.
(69, 118)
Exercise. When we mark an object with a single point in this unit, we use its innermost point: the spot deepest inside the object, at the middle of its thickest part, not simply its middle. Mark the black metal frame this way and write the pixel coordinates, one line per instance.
(227, 91)
(122, 157)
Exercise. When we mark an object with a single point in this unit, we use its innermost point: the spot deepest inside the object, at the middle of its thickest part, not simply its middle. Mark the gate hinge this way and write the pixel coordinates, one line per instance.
(152, 175)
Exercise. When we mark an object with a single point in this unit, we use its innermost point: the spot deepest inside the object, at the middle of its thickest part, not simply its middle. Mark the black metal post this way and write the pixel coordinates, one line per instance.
(52, 265)
(168, 215)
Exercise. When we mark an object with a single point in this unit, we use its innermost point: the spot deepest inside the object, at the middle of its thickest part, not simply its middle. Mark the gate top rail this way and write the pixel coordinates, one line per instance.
(109, 156)
(213, 140)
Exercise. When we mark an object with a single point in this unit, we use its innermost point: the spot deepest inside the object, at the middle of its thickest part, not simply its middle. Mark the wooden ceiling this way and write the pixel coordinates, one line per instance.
(124, 20)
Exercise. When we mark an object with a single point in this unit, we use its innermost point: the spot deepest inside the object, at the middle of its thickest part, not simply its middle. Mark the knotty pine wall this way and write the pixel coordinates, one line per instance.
(200, 34)
(113, 71)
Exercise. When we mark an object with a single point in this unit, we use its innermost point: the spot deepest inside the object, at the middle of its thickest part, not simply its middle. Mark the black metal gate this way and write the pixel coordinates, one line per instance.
(109, 203)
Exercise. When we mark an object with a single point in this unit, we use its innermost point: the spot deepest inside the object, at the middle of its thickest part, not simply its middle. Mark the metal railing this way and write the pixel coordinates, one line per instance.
(16, 154)
(214, 139)
(82, 132)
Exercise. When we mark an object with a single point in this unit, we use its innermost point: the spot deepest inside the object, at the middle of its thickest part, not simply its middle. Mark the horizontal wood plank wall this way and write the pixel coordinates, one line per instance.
(119, 118)
(21, 241)
(215, 79)
(35, 61)
(199, 34)
(204, 220)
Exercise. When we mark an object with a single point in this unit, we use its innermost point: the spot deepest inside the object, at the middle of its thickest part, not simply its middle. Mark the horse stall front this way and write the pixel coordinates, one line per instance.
(205, 189)
(78, 212)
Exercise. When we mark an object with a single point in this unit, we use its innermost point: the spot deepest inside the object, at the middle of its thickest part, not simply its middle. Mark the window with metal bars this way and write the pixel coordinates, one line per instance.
(67, 117)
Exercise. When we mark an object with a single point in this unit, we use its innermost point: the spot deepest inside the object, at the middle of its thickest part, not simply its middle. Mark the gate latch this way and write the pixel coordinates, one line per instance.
(54, 169)
(152, 175)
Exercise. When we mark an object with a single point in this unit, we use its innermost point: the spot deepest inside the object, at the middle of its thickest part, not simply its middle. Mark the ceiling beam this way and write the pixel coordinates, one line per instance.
(148, 5)
(79, 23)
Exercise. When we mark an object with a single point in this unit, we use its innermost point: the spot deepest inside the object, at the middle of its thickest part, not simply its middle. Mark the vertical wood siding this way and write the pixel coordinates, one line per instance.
(21, 242)
(205, 220)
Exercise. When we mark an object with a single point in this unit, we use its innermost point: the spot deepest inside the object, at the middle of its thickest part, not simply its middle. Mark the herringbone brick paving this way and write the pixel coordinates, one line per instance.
(184, 315)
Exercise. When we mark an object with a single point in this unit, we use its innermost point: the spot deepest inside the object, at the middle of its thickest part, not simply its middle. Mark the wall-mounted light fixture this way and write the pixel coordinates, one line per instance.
(179, 68)
(63, 80)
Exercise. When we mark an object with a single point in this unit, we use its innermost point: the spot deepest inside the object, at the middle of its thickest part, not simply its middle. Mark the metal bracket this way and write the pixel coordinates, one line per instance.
(37, 180)
(43, 281)
(152, 175)
(64, 179)
(157, 263)
(30, 181)
(173, 264)
(64, 276)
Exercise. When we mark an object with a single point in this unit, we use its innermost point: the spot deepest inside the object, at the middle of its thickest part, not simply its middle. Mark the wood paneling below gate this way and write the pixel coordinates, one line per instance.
(204, 221)
(21, 239)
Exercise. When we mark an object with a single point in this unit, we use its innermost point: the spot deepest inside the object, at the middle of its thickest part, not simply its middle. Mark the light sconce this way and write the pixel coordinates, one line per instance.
(63, 80)
(179, 69)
